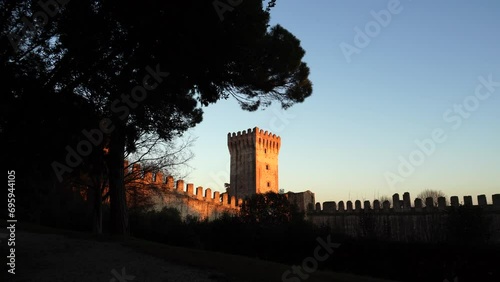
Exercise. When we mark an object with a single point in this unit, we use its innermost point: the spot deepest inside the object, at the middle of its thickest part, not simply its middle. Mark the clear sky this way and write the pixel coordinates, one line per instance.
(417, 77)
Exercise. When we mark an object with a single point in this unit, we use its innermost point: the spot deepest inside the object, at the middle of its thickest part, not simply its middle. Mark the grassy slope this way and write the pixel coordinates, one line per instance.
(234, 268)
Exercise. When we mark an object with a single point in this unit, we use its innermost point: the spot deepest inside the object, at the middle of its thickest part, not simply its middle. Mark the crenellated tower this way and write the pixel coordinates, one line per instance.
(254, 162)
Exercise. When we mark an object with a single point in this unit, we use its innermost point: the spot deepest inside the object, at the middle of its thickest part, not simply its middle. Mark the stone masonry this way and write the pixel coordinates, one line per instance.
(419, 221)
(254, 162)
(254, 170)
(188, 200)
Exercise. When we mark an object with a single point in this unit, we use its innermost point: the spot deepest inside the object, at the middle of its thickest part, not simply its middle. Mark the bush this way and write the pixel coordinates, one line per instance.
(229, 234)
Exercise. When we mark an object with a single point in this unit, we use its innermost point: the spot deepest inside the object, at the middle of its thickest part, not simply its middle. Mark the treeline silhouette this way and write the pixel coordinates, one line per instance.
(284, 235)
(82, 81)
(291, 241)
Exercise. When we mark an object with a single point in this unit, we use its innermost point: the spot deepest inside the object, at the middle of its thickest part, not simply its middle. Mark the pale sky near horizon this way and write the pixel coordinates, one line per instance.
(418, 73)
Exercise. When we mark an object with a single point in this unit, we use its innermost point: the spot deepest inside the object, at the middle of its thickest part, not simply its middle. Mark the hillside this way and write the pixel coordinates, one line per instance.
(45, 254)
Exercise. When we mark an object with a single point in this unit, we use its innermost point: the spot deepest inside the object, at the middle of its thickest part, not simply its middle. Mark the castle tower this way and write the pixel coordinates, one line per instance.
(254, 162)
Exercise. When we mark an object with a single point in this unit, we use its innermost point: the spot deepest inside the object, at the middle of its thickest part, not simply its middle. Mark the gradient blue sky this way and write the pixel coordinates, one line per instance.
(364, 115)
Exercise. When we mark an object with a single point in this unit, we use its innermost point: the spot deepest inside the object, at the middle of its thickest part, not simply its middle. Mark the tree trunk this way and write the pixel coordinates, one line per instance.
(96, 198)
(118, 206)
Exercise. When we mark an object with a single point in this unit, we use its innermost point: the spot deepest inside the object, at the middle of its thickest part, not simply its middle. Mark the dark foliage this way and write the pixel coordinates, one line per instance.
(268, 208)
(69, 70)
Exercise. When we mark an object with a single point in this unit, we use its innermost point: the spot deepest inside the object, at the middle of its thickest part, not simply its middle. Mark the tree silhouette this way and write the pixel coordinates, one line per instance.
(170, 157)
(434, 194)
(150, 67)
(384, 198)
(268, 208)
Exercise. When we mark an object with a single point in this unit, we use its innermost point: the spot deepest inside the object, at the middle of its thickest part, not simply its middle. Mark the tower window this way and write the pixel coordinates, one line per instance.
(268, 184)
(267, 167)
(265, 151)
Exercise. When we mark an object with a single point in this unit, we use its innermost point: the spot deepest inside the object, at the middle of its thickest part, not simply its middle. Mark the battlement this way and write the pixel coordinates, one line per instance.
(179, 188)
(241, 140)
(265, 139)
(253, 138)
(420, 220)
(405, 204)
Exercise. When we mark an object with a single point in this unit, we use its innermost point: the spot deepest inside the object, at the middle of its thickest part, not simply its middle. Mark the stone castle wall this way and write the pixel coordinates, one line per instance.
(199, 202)
(304, 200)
(407, 222)
(267, 146)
